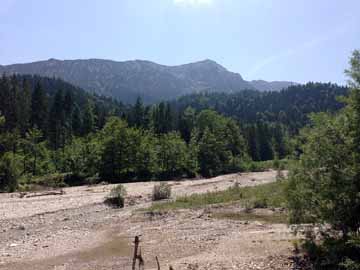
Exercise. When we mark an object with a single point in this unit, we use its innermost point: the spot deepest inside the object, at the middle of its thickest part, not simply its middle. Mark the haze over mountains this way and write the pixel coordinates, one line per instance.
(153, 82)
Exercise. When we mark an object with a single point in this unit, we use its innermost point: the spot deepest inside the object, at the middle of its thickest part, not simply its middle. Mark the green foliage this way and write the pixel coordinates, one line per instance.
(250, 215)
(50, 180)
(54, 128)
(39, 108)
(162, 118)
(325, 186)
(88, 124)
(81, 157)
(221, 146)
(288, 107)
(161, 191)
(9, 172)
(213, 155)
(116, 197)
(268, 195)
(333, 254)
(173, 156)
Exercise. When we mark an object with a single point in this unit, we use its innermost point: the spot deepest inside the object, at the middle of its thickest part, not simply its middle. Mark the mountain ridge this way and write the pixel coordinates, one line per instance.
(126, 80)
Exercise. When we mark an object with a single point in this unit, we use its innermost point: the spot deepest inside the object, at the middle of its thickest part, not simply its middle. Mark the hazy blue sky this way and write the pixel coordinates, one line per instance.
(297, 40)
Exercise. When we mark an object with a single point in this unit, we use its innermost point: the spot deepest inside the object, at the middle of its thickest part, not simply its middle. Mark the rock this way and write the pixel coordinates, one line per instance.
(13, 245)
(21, 228)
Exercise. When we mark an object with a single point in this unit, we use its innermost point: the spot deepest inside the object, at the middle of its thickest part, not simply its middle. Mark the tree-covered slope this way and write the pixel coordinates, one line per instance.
(290, 106)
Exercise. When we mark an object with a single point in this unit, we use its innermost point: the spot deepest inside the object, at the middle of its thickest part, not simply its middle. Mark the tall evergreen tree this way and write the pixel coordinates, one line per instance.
(88, 118)
(11, 111)
(5, 99)
(138, 113)
(76, 121)
(187, 123)
(39, 109)
(56, 125)
(24, 110)
(68, 114)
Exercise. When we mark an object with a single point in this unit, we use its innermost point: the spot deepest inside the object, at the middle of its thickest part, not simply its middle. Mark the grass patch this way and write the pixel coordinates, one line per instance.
(262, 196)
(272, 218)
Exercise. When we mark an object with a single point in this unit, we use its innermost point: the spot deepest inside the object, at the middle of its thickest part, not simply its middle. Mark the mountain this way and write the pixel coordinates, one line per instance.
(271, 86)
(153, 82)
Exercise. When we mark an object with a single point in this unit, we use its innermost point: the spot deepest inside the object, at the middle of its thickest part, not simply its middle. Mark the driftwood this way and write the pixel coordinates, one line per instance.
(47, 193)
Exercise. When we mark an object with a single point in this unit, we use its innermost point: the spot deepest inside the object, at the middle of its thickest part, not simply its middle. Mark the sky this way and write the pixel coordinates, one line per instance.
(294, 40)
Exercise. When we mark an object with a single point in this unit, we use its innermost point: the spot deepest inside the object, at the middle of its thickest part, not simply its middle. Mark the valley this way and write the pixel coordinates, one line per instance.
(77, 231)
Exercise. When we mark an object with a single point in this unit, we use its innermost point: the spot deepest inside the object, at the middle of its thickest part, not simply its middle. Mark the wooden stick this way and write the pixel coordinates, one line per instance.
(141, 260)
(157, 261)
(136, 242)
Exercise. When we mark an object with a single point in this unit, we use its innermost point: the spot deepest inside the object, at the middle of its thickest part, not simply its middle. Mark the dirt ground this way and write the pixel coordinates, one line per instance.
(77, 231)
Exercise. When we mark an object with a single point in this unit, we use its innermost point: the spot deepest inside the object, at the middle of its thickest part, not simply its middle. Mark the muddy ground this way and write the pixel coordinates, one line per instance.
(77, 231)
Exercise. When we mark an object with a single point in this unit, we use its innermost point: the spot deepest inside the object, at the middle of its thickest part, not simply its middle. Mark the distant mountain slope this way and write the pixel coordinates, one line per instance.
(271, 86)
(153, 82)
(290, 106)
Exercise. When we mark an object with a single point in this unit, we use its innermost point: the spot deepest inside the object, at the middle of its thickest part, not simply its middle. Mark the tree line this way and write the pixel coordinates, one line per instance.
(51, 127)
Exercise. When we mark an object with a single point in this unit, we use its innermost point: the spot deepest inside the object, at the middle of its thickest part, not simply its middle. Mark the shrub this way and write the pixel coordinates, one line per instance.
(161, 192)
(260, 203)
(54, 180)
(9, 172)
(116, 198)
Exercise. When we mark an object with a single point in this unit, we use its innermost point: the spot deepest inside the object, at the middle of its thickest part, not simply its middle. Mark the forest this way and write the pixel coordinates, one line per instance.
(53, 133)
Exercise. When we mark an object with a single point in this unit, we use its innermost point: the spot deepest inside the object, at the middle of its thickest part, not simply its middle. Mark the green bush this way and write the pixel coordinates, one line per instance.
(52, 180)
(9, 172)
(161, 192)
(333, 254)
(116, 197)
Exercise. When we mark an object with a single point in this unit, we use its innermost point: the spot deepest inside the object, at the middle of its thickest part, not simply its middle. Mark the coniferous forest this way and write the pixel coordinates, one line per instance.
(53, 133)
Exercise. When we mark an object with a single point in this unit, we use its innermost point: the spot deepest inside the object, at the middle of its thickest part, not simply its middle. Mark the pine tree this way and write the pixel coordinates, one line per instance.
(24, 111)
(138, 113)
(56, 125)
(5, 98)
(39, 109)
(168, 119)
(68, 113)
(11, 103)
(88, 118)
(76, 121)
(187, 123)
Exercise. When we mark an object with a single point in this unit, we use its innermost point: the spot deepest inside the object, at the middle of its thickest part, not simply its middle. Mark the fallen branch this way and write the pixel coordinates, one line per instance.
(157, 262)
(48, 193)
